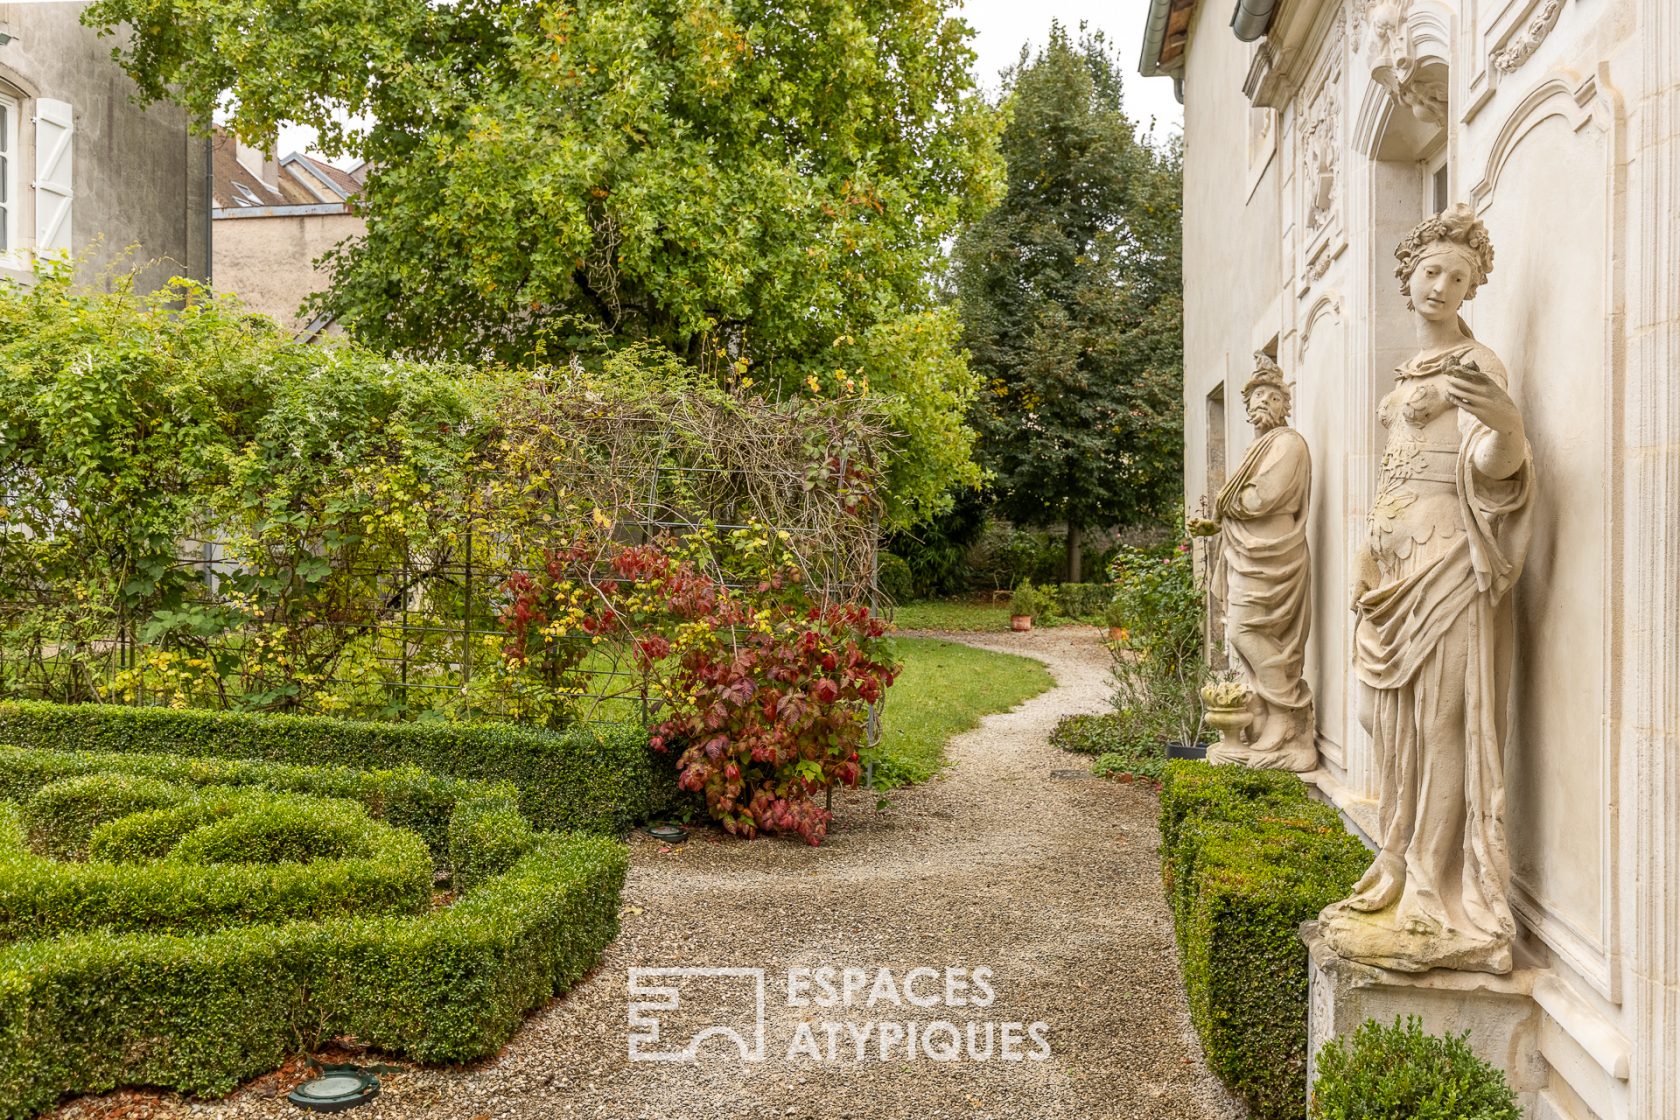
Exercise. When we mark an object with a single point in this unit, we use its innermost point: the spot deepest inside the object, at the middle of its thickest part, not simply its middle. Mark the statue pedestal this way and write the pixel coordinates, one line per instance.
(1498, 1011)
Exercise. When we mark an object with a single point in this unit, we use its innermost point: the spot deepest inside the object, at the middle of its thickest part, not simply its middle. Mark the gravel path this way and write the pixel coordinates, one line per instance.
(1051, 882)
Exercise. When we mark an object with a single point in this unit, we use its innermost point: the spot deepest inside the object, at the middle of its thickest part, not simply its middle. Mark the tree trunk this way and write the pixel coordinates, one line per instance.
(1074, 543)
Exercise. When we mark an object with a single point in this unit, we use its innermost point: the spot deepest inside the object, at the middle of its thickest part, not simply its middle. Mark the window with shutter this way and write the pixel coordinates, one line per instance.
(8, 175)
(54, 135)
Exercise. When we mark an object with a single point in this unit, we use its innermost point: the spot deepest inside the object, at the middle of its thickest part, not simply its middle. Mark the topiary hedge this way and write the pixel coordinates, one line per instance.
(1247, 857)
(389, 872)
(1400, 1073)
(406, 797)
(88, 1012)
(213, 930)
(585, 778)
(485, 839)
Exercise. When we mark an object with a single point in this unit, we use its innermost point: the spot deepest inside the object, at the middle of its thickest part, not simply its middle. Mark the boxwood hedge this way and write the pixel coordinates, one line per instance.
(585, 778)
(183, 893)
(406, 797)
(1247, 857)
(1400, 1073)
(88, 1012)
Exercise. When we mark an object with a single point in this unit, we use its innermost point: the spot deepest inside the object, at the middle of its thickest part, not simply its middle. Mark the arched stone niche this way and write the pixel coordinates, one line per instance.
(1550, 194)
(1320, 375)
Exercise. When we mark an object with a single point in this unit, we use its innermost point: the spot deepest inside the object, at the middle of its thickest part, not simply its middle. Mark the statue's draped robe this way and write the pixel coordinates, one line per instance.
(1264, 578)
(1443, 623)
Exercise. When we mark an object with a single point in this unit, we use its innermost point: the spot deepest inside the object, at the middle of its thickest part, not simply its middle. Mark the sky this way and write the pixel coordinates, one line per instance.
(1000, 29)
(1002, 26)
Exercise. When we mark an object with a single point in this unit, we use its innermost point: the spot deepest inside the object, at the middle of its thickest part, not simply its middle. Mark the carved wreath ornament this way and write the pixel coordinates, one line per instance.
(1519, 47)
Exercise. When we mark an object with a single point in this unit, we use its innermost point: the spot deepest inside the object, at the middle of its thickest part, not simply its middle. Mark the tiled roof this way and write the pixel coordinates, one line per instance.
(302, 180)
(343, 180)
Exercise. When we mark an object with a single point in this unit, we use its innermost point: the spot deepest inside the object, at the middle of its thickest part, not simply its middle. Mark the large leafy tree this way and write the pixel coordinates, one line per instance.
(1070, 294)
(764, 189)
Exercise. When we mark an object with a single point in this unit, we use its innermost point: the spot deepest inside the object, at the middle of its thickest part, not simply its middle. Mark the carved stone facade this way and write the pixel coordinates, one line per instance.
(1558, 123)
(1517, 51)
(1395, 65)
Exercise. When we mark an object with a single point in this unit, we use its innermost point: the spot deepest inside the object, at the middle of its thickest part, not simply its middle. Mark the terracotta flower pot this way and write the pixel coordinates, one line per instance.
(1020, 622)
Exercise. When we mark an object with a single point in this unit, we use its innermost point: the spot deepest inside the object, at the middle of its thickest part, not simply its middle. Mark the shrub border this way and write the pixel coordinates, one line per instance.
(42, 898)
(1246, 857)
(406, 798)
(89, 1012)
(585, 778)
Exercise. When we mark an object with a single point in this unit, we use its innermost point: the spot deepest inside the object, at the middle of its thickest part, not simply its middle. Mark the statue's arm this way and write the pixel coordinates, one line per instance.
(1202, 526)
(1365, 574)
(1280, 482)
(1482, 394)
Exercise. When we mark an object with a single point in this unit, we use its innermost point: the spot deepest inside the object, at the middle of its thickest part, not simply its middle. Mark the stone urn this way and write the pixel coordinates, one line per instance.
(1225, 709)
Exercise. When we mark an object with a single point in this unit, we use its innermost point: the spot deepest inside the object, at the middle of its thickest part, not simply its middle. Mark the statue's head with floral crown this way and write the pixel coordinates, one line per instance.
(1452, 237)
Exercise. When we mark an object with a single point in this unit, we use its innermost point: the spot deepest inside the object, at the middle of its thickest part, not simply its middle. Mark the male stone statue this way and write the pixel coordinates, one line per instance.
(1263, 574)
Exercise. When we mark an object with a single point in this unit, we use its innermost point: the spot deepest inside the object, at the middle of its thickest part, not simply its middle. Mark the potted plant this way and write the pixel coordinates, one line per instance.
(1023, 604)
(1114, 617)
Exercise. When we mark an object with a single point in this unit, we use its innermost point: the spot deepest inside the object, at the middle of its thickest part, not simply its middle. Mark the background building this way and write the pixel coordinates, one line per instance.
(1317, 132)
(274, 218)
(84, 172)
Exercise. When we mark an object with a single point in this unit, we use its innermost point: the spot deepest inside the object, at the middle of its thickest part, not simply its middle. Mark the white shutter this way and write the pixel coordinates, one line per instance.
(54, 132)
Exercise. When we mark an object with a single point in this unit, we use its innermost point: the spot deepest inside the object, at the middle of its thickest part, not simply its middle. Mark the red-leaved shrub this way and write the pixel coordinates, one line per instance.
(761, 688)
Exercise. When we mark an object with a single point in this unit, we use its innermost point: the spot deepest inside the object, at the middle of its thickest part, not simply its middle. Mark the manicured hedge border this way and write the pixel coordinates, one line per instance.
(89, 1012)
(1247, 857)
(406, 798)
(46, 898)
(586, 779)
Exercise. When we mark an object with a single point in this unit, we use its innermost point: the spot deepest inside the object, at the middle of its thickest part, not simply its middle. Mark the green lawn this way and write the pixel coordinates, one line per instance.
(965, 616)
(952, 614)
(943, 691)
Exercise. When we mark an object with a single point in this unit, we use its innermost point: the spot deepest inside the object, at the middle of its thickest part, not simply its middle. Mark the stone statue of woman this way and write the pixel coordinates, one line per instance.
(1433, 641)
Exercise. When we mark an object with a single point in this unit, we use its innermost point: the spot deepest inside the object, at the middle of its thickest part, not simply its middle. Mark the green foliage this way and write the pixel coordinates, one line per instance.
(967, 550)
(1085, 734)
(1070, 300)
(894, 579)
(87, 1012)
(595, 779)
(1004, 555)
(1158, 669)
(745, 186)
(1117, 753)
(1082, 600)
(1400, 1073)
(61, 817)
(166, 871)
(1024, 600)
(126, 419)
(287, 830)
(1138, 759)
(937, 550)
(1247, 857)
(485, 839)
(405, 797)
(363, 513)
(1157, 601)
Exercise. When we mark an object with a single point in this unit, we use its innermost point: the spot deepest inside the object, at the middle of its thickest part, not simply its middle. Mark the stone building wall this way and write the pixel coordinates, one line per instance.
(1556, 119)
(267, 258)
(141, 181)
